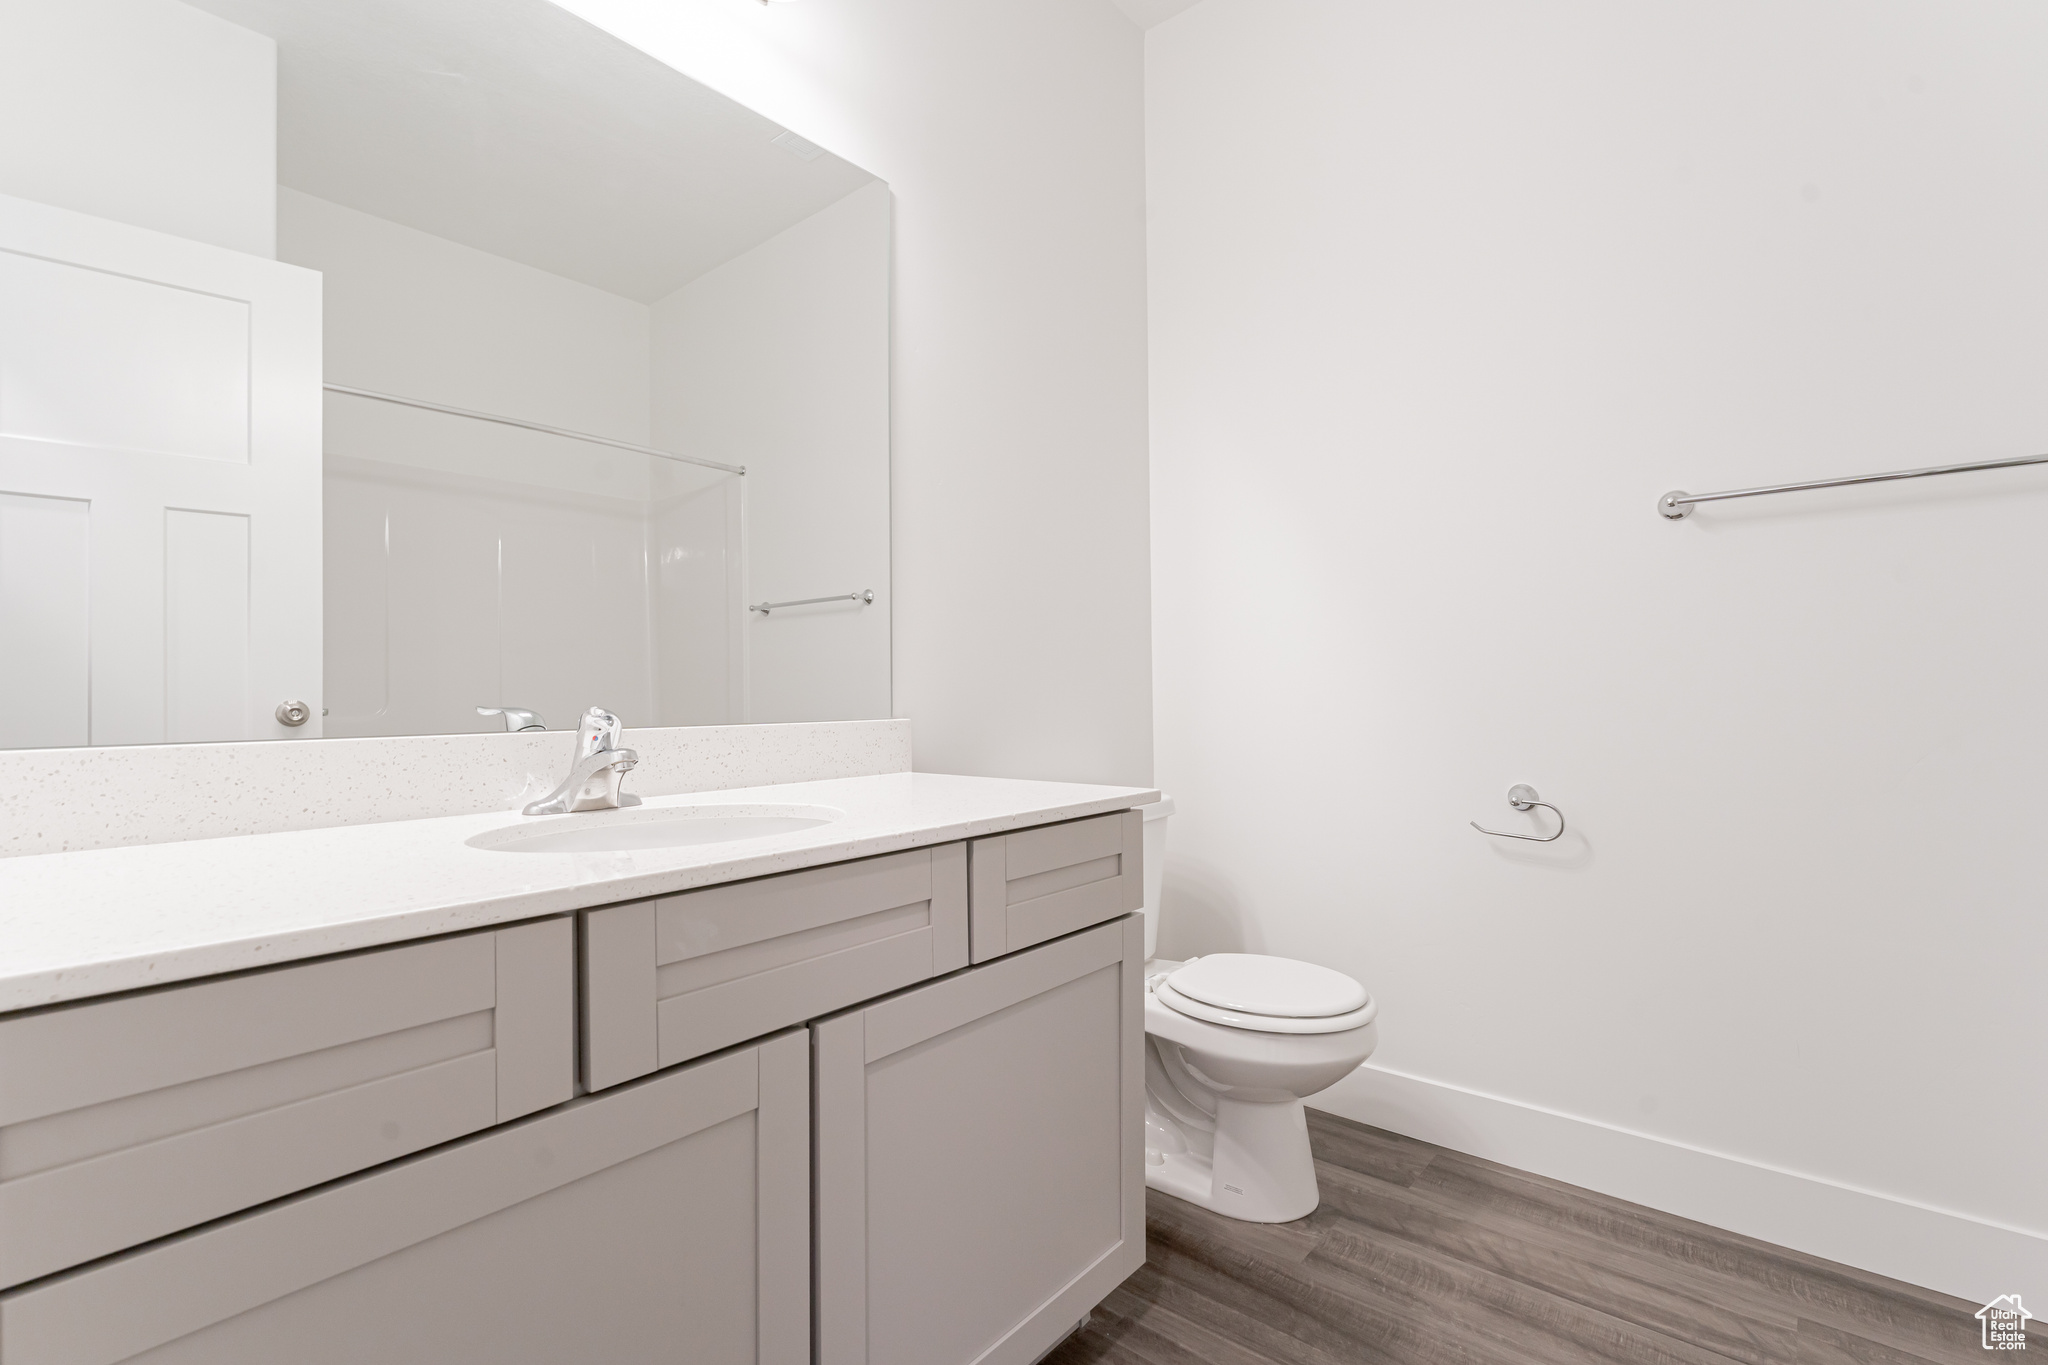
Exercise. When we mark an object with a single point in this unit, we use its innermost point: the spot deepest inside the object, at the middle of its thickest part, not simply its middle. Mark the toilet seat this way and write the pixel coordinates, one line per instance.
(1265, 994)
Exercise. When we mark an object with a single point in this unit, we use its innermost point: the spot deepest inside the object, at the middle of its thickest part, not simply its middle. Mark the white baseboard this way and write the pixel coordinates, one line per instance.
(1931, 1247)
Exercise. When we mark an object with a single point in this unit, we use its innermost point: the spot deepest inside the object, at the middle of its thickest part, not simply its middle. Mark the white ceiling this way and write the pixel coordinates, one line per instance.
(1147, 13)
(514, 127)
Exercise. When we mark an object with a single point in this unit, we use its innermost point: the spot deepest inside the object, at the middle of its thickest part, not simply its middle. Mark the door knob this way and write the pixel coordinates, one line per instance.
(293, 713)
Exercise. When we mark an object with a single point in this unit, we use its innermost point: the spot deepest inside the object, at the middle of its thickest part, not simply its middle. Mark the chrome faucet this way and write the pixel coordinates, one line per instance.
(516, 718)
(593, 780)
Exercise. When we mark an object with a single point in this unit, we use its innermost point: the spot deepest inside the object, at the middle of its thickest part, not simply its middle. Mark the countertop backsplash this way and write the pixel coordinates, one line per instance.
(65, 800)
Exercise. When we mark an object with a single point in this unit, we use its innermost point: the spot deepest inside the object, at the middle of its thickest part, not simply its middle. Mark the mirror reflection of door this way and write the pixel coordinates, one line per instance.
(409, 358)
(159, 485)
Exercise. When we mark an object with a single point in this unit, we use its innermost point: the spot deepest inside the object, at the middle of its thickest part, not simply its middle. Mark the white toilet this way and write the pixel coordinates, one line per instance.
(1234, 1042)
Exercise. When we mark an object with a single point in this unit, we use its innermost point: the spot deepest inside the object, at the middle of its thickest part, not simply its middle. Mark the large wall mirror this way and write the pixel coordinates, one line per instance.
(403, 367)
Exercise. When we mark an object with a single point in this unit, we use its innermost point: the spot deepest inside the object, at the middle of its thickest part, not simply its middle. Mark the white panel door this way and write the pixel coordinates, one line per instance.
(159, 485)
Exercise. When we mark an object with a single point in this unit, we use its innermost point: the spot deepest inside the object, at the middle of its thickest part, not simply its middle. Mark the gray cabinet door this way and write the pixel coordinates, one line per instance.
(122, 1120)
(666, 1221)
(980, 1156)
(670, 979)
(1037, 884)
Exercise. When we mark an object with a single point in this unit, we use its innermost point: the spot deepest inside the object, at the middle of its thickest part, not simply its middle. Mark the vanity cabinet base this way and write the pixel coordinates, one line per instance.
(662, 1221)
(980, 1156)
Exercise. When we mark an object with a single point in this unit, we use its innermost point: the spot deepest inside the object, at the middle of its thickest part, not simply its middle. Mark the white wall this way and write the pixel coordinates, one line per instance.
(1010, 132)
(418, 315)
(1443, 296)
(778, 360)
(148, 112)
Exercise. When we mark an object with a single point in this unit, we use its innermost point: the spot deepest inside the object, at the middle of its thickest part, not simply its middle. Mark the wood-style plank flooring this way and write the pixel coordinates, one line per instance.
(1424, 1256)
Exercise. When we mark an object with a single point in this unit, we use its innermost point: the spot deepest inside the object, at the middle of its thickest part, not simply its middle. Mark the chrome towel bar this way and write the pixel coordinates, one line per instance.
(1678, 504)
(864, 595)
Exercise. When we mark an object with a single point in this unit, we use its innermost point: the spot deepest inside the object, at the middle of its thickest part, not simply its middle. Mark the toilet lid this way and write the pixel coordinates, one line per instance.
(1273, 987)
(1163, 991)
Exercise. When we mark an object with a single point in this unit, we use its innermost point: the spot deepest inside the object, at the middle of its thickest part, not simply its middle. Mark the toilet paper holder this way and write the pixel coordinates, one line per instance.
(1522, 796)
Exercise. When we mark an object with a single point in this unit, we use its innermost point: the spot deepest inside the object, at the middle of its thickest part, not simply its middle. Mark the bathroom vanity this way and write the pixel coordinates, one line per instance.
(439, 374)
(867, 1090)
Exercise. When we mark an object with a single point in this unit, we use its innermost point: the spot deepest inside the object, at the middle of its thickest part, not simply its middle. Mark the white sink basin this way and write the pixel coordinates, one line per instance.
(624, 831)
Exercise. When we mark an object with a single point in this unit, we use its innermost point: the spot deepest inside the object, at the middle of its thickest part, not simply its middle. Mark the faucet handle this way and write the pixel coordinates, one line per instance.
(598, 733)
(516, 718)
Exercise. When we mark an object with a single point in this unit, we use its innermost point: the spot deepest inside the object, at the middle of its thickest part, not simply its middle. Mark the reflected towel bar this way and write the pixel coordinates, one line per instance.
(864, 595)
(1678, 504)
(541, 427)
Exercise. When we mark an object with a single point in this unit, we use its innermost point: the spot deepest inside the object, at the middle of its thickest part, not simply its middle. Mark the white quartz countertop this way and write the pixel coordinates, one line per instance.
(81, 924)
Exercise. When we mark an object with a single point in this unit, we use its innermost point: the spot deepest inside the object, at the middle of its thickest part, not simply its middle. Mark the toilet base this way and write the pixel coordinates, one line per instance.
(1253, 1165)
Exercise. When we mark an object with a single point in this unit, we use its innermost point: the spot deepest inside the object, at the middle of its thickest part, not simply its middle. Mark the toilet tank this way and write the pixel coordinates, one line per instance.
(1156, 816)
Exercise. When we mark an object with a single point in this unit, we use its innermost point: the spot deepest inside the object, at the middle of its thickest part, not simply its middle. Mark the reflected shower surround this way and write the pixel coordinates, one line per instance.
(469, 563)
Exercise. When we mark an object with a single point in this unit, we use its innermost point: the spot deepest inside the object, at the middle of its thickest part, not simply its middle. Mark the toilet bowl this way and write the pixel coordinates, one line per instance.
(1234, 1042)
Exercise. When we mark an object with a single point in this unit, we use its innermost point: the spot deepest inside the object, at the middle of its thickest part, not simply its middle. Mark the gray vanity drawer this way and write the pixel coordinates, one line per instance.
(669, 979)
(126, 1119)
(1038, 884)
